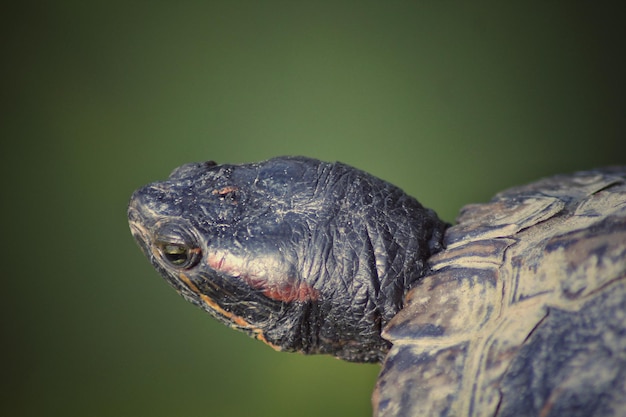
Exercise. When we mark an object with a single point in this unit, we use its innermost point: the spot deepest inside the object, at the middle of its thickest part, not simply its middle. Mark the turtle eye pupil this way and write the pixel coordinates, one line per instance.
(179, 255)
(177, 246)
(176, 254)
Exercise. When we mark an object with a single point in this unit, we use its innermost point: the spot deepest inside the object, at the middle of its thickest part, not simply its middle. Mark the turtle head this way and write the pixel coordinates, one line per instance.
(304, 255)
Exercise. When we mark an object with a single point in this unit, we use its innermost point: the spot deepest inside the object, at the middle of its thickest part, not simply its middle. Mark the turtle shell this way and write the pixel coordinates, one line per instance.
(523, 313)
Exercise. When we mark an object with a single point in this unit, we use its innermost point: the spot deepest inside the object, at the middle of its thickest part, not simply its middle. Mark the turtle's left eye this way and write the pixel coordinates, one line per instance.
(177, 247)
(176, 254)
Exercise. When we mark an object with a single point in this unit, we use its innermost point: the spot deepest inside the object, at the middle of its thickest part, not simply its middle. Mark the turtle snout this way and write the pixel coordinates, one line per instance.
(137, 219)
(146, 205)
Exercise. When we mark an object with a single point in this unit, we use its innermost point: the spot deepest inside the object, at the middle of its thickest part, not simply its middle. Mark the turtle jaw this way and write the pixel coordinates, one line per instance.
(139, 223)
(136, 222)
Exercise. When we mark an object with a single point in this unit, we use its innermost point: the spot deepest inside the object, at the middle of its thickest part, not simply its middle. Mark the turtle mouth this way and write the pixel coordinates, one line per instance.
(137, 224)
(139, 233)
(134, 221)
(141, 236)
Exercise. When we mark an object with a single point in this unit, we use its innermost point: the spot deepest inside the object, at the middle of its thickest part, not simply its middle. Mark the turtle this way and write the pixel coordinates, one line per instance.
(518, 309)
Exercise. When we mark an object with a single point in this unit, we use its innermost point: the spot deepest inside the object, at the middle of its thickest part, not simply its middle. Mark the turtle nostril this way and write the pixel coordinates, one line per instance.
(133, 217)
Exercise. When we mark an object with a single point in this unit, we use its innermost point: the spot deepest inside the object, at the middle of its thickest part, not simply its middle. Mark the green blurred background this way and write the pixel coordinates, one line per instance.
(451, 102)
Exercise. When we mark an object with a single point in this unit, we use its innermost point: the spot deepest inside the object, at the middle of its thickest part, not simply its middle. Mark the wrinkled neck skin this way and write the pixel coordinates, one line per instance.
(372, 246)
(316, 258)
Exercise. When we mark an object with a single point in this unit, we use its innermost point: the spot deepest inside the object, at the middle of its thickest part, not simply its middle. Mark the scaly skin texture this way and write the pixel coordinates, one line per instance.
(304, 255)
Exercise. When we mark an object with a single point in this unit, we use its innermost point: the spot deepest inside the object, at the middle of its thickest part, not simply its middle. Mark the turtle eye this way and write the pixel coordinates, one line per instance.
(177, 247)
(176, 254)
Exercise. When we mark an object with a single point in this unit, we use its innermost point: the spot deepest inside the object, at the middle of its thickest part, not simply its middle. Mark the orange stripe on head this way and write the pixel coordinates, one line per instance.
(213, 305)
(238, 320)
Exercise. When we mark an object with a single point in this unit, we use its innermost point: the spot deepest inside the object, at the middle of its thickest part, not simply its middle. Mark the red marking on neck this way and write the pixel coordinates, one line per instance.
(287, 292)
(276, 287)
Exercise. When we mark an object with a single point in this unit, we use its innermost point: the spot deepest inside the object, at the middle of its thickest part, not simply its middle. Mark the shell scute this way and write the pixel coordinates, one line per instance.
(587, 377)
(430, 379)
(502, 217)
(454, 305)
(533, 286)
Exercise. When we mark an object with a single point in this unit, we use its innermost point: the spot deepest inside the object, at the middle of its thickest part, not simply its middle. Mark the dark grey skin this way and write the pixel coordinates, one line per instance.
(305, 255)
(517, 310)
